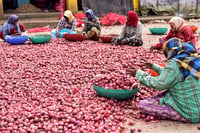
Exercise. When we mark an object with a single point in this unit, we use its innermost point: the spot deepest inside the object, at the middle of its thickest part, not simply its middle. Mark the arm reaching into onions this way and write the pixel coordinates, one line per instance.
(180, 79)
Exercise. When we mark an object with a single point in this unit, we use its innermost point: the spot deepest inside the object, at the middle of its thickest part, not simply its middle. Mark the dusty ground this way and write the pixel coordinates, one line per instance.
(148, 38)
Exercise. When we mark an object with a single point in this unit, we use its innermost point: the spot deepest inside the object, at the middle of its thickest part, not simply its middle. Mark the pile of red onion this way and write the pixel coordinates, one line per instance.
(116, 81)
(48, 87)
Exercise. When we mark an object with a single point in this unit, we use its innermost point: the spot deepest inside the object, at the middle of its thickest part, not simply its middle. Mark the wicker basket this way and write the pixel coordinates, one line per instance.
(116, 94)
(158, 31)
(39, 39)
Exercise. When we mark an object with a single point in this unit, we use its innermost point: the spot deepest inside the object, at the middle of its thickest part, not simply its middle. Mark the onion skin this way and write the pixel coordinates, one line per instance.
(48, 87)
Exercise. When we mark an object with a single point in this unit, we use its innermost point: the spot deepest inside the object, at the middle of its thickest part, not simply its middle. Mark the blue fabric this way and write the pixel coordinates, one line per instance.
(62, 32)
(183, 53)
(7, 27)
(90, 11)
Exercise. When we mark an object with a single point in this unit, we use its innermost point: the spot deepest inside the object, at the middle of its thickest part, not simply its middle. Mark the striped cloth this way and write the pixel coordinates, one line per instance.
(185, 54)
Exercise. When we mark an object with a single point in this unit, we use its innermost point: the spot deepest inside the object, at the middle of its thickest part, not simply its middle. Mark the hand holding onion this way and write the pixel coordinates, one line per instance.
(147, 64)
(132, 71)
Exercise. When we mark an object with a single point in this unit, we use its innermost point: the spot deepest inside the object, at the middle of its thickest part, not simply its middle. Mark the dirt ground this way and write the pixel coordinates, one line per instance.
(148, 38)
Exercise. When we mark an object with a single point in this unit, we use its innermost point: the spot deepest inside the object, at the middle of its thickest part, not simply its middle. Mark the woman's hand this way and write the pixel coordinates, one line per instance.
(152, 48)
(147, 64)
(114, 41)
(132, 71)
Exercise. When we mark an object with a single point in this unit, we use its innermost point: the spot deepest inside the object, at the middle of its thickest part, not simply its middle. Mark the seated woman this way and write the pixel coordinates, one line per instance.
(66, 23)
(181, 81)
(12, 27)
(92, 26)
(131, 33)
(180, 30)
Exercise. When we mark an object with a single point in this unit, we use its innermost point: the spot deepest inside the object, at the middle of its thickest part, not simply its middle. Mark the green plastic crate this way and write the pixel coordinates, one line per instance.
(158, 31)
(39, 39)
(116, 94)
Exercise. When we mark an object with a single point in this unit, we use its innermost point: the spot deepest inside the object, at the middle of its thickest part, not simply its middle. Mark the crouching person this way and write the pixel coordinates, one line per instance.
(92, 26)
(12, 27)
(131, 33)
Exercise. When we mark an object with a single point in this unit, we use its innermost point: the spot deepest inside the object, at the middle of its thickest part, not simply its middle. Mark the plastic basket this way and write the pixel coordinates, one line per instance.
(39, 39)
(108, 38)
(15, 40)
(116, 94)
(158, 31)
(74, 37)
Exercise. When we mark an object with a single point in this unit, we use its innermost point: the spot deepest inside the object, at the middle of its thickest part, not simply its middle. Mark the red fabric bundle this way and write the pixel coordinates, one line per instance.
(80, 15)
(113, 18)
(79, 22)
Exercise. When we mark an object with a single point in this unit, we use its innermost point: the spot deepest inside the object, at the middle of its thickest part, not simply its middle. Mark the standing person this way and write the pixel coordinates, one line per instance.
(180, 79)
(12, 27)
(92, 26)
(50, 5)
(131, 33)
(67, 22)
(179, 29)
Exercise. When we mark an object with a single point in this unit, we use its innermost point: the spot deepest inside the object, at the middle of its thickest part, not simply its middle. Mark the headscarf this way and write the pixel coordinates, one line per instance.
(132, 18)
(178, 22)
(12, 19)
(90, 11)
(69, 15)
(9, 25)
(185, 55)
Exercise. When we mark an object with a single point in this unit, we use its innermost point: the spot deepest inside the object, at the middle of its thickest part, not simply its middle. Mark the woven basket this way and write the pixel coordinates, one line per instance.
(74, 37)
(158, 31)
(116, 94)
(39, 39)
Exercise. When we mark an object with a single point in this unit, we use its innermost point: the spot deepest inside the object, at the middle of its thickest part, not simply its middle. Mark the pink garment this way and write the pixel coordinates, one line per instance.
(151, 106)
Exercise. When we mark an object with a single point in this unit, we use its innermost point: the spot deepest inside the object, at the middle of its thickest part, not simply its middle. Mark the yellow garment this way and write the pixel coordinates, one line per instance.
(69, 15)
(93, 34)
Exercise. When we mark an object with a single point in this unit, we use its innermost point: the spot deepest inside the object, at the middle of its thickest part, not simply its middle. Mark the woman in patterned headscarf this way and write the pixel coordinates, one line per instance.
(12, 27)
(179, 29)
(180, 79)
(131, 33)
